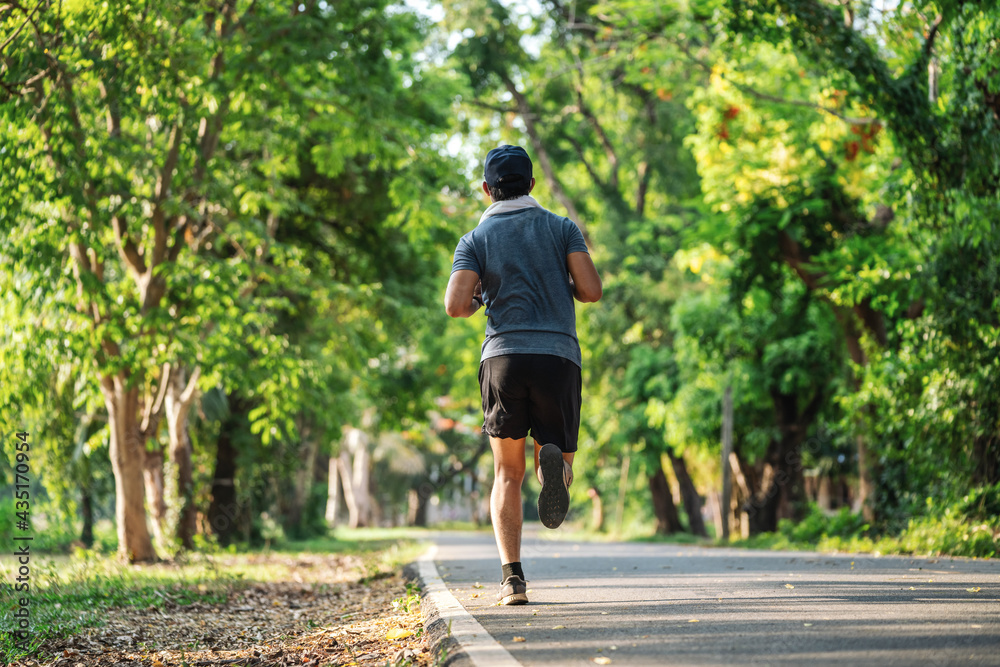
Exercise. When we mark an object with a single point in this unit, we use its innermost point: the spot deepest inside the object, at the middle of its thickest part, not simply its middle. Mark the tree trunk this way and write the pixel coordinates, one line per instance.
(780, 492)
(304, 476)
(866, 483)
(292, 499)
(127, 451)
(715, 508)
(667, 521)
(689, 496)
(333, 492)
(180, 485)
(87, 514)
(417, 502)
(354, 465)
(986, 455)
(223, 511)
(727, 451)
(597, 511)
(156, 501)
(353, 513)
(737, 518)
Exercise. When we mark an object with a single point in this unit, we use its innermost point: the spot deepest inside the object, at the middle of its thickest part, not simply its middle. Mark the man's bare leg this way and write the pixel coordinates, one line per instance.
(505, 500)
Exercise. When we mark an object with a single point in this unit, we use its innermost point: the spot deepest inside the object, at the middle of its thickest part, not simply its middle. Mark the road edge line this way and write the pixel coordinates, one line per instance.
(447, 622)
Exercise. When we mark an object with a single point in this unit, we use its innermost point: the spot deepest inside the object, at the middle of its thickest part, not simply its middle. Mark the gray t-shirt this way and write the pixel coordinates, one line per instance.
(520, 257)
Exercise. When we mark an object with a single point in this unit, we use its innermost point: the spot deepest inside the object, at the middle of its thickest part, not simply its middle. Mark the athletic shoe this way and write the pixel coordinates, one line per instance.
(553, 499)
(567, 474)
(513, 591)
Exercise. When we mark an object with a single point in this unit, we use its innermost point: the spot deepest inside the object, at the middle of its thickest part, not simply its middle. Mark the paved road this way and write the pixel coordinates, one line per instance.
(655, 604)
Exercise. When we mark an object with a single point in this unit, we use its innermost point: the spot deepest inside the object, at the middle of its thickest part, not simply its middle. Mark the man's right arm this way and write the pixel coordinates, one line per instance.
(585, 279)
(459, 298)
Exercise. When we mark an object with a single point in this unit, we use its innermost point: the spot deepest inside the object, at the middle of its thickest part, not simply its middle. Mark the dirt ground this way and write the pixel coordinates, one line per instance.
(325, 615)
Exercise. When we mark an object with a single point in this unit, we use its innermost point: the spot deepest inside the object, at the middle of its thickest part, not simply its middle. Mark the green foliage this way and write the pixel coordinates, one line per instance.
(956, 529)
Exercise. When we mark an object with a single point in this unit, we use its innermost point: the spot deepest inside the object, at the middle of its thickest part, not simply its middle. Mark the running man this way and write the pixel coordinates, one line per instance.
(525, 265)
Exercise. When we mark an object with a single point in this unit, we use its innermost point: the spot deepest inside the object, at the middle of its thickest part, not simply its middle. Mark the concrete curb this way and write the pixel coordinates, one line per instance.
(452, 631)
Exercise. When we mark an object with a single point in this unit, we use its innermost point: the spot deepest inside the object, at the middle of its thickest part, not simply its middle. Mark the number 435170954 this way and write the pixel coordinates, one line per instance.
(22, 480)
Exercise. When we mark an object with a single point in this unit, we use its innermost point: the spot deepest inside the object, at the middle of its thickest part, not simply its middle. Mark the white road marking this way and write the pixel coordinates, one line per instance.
(476, 642)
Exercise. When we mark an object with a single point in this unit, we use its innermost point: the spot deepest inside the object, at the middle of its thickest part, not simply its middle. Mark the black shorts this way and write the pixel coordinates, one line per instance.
(536, 393)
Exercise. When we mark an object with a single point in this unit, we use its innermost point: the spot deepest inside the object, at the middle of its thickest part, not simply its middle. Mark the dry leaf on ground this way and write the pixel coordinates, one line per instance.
(325, 615)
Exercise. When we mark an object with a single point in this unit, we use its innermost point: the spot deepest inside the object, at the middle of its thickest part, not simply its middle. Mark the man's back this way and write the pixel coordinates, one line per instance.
(520, 257)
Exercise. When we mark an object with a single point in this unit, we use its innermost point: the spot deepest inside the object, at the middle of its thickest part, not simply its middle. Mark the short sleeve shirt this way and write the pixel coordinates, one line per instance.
(520, 257)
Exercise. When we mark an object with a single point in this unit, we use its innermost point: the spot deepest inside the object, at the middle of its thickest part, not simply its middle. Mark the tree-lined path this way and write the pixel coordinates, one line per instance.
(661, 604)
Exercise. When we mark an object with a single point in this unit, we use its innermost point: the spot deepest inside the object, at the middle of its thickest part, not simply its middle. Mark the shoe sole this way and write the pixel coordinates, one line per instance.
(516, 598)
(553, 499)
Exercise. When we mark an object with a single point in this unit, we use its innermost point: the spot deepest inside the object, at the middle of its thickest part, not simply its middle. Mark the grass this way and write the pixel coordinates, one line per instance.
(71, 593)
(946, 534)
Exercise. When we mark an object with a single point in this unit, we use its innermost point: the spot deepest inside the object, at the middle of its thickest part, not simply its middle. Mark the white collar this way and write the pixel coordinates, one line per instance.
(508, 205)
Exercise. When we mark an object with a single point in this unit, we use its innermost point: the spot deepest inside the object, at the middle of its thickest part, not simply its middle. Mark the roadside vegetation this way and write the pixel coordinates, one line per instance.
(329, 601)
(969, 527)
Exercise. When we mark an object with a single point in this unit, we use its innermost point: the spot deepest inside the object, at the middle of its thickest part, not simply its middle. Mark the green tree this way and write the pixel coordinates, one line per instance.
(921, 277)
(151, 156)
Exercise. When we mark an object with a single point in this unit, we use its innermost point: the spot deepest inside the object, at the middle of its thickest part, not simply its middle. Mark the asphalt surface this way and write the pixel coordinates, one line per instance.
(658, 604)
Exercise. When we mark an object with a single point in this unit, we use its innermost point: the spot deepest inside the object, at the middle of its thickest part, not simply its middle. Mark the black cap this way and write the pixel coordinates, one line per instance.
(507, 164)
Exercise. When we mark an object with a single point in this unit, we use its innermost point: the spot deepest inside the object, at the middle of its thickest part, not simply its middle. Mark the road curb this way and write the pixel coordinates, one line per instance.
(452, 630)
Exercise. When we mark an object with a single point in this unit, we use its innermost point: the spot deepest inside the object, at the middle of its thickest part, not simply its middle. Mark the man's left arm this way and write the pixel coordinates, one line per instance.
(460, 299)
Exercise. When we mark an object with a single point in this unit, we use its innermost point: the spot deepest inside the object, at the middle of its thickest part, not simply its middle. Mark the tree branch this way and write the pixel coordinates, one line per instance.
(772, 98)
(524, 110)
(594, 176)
(113, 113)
(192, 385)
(645, 174)
(27, 21)
(931, 36)
(609, 149)
(128, 250)
(151, 415)
(163, 183)
(492, 107)
(801, 103)
(152, 408)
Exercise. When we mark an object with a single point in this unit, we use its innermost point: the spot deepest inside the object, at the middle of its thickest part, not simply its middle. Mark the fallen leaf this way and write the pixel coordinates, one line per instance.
(808, 625)
(974, 590)
(694, 620)
(519, 639)
(789, 586)
(398, 633)
(601, 660)
(558, 627)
